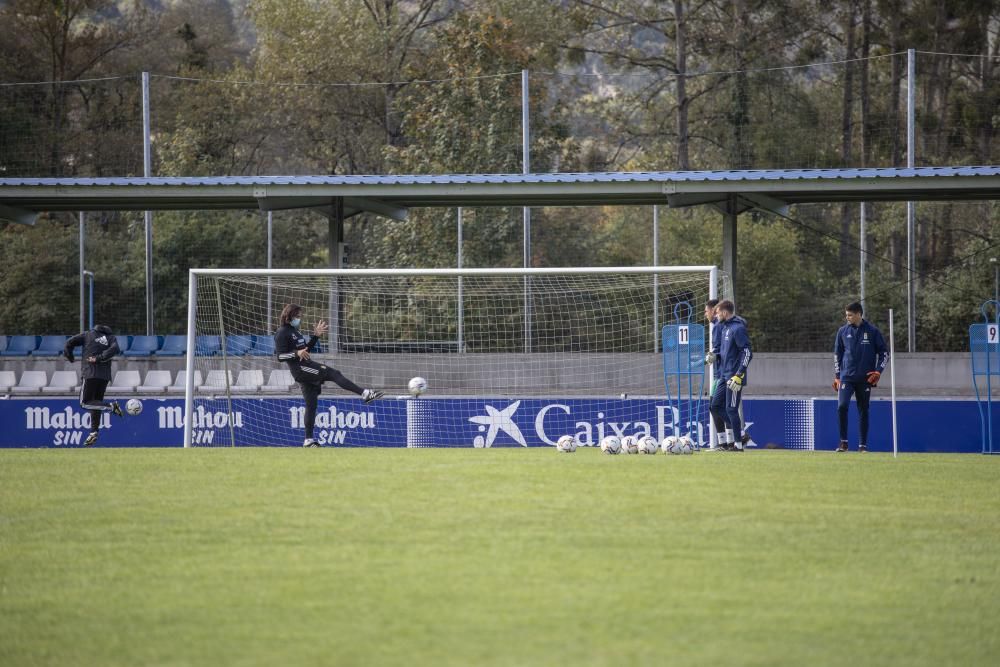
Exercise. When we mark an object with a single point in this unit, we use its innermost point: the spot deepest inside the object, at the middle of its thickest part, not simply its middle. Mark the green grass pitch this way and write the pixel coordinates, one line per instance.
(497, 557)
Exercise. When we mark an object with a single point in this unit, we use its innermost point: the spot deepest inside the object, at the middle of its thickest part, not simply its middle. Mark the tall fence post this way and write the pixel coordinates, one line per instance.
(526, 215)
(147, 170)
(461, 295)
(911, 149)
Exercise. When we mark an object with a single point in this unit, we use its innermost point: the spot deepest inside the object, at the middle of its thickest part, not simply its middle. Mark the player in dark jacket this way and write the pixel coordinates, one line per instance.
(99, 347)
(713, 358)
(734, 357)
(293, 348)
(859, 357)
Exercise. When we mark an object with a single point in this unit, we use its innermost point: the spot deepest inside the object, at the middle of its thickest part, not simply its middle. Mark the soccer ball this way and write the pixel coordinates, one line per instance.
(611, 445)
(686, 445)
(566, 444)
(647, 445)
(630, 445)
(134, 406)
(670, 444)
(417, 386)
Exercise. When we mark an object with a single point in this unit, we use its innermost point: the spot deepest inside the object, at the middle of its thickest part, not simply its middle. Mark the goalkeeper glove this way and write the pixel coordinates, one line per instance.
(836, 384)
(873, 378)
(709, 359)
(735, 383)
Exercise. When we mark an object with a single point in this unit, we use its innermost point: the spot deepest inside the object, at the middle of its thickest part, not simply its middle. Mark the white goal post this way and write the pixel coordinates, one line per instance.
(512, 356)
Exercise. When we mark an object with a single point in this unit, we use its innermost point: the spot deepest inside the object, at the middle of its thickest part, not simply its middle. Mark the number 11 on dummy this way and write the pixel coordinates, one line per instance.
(684, 376)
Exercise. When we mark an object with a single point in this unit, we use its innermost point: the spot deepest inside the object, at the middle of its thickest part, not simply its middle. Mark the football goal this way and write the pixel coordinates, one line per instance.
(511, 357)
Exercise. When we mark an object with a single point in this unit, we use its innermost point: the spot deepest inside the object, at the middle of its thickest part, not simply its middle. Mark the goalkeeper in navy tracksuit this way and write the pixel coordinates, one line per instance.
(99, 347)
(712, 358)
(859, 357)
(734, 355)
(293, 348)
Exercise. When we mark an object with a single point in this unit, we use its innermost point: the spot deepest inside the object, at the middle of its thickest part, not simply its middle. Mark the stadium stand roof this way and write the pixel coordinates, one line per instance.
(21, 199)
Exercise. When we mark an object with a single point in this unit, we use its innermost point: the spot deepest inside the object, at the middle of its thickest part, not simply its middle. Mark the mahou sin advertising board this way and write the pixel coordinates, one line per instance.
(804, 424)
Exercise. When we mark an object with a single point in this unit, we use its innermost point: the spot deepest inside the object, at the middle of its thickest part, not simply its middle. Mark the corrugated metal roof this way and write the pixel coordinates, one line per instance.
(392, 196)
(464, 179)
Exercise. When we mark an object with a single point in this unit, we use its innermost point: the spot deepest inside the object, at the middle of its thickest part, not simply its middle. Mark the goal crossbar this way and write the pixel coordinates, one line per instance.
(543, 271)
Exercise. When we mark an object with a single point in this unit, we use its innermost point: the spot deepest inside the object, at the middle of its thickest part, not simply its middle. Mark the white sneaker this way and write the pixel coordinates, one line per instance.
(369, 395)
(310, 442)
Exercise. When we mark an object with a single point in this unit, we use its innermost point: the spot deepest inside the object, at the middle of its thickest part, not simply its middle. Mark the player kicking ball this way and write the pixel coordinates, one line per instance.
(99, 347)
(293, 348)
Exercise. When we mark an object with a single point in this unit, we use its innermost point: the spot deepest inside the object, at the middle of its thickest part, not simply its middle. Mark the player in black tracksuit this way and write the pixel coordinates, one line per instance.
(859, 357)
(293, 348)
(99, 347)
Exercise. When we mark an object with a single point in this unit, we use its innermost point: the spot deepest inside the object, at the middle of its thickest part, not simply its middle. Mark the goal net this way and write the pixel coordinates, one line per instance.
(512, 357)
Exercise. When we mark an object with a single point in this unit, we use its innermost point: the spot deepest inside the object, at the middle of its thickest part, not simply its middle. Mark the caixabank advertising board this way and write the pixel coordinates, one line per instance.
(924, 425)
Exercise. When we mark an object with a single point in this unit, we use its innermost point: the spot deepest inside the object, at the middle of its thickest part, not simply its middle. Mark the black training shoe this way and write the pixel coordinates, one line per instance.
(862, 448)
(842, 447)
(115, 408)
(91, 439)
(309, 442)
(369, 395)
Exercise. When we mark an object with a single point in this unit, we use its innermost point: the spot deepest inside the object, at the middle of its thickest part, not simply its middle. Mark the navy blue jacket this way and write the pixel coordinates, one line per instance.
(716, 344)
(734, 348)
(858, 351)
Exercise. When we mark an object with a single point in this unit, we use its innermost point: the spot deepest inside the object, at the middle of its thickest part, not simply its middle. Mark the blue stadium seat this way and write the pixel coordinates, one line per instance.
(50, 346)
(206, 346)
(3, 343)
(173, 346)
(142, 346)
(263, 346)
(20, 346)
(237, 345)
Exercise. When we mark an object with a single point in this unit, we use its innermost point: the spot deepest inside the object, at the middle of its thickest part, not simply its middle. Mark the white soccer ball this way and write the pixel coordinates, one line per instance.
(670, 444)
(630, 445)
(417, 386)
(647, 445)
(134, 406)
(611, 445)
(686, 445)
(566, 444)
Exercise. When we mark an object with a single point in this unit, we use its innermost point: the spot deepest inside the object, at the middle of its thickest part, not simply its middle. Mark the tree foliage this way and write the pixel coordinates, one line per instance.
(432, 86)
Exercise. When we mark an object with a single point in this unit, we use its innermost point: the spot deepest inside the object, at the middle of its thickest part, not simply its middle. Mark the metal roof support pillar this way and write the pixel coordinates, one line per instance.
(656, 278)
(864, 253)
(729, 245)
(270, 256)
(335, 247)
(83, 278)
